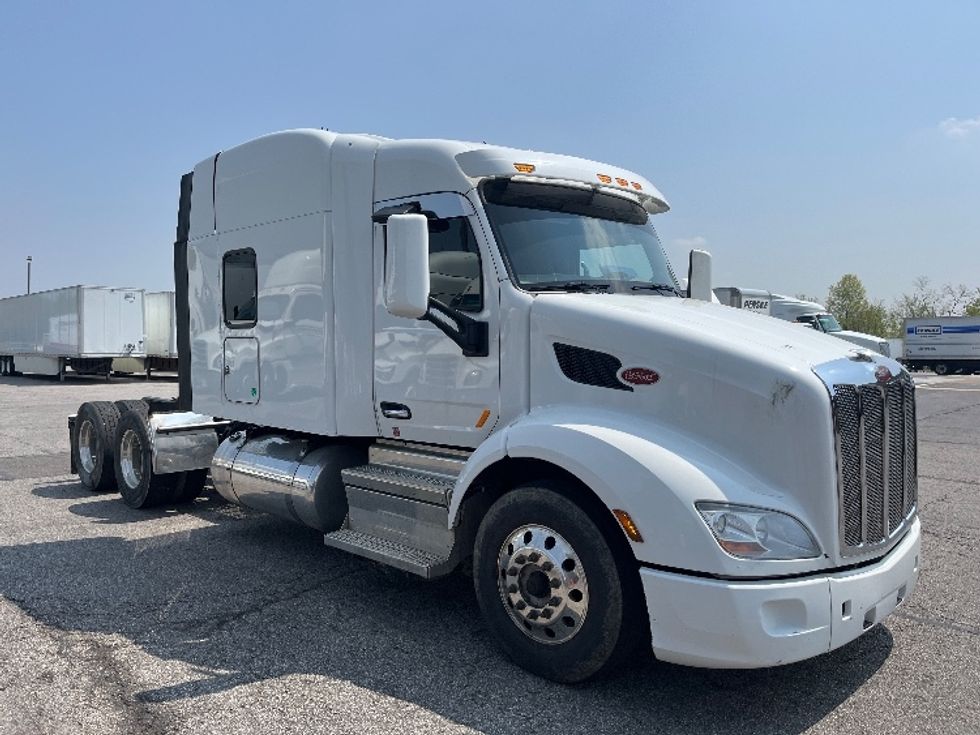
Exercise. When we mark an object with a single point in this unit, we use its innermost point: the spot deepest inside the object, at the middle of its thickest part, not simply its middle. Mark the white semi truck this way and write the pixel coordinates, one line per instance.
(445, 354)
(943, 344)
(81, 328)
(791, 309)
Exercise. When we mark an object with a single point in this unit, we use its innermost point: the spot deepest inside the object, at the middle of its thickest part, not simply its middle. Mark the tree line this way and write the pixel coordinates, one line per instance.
(848, 301)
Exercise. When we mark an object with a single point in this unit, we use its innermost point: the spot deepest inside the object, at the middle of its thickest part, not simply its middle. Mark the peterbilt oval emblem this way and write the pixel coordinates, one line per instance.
(639, 376)
(883, 374)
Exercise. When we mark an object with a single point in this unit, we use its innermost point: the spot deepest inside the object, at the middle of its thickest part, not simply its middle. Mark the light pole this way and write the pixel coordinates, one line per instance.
(28, 274)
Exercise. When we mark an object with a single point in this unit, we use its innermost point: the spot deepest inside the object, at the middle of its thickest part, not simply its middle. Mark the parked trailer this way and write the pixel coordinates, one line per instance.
(160, 337)
(81, 328)
(444, 354)
(944, 344)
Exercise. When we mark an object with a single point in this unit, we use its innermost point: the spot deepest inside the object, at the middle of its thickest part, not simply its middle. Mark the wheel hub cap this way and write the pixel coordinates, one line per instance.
(131, 458)
(87, 450)
(543, 584)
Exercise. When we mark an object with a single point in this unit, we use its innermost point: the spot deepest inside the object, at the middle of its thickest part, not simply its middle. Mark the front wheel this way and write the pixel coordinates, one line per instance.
(941, 368)
(550, 588)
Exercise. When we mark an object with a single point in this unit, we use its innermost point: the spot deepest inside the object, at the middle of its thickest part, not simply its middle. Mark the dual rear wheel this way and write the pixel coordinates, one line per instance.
(112, 450)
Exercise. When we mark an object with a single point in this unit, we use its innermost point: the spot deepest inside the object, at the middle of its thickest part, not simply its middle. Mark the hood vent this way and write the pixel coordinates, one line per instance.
(590, 367)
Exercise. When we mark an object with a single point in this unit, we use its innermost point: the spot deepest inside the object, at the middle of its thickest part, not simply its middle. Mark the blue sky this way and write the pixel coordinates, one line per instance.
(796, 141)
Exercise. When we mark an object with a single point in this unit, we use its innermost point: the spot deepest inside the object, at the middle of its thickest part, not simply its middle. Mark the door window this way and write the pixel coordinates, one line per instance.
(455, 275)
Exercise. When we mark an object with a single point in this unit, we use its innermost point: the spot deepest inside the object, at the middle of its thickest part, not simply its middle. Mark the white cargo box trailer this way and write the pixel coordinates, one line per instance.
(944, 344)
(159, 334)
(78, 327)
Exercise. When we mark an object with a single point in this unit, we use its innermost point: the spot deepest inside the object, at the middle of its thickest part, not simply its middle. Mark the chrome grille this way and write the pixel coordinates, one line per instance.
(874, 432)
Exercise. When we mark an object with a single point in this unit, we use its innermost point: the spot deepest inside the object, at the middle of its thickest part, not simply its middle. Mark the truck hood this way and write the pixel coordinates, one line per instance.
(720, 329)
(877, 344)
(748, 392)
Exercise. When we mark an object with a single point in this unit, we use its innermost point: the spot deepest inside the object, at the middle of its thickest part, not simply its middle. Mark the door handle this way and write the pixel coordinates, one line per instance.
(395, 411)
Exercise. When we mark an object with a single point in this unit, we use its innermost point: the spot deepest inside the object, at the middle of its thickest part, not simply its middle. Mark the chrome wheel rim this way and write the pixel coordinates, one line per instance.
(87, 449)
(131, 459)
(542, 584)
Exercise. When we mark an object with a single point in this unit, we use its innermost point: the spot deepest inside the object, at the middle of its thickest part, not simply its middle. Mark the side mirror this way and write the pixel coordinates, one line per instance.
(699, 276)
(407, 266)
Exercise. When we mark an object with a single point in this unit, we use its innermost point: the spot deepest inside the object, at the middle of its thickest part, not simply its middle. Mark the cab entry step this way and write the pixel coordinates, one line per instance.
(400, 556)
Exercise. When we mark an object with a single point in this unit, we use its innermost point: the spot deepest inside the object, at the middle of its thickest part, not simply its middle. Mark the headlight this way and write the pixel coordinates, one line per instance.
(757, 533)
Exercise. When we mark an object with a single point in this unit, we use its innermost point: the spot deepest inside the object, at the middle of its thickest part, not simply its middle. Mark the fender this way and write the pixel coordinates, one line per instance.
(646, 469)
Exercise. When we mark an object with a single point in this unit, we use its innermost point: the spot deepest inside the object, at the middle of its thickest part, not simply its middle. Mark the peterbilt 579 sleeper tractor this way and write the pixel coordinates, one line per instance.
(442, 353)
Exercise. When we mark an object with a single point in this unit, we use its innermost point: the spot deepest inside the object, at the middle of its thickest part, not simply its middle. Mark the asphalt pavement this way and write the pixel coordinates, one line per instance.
(213, 619)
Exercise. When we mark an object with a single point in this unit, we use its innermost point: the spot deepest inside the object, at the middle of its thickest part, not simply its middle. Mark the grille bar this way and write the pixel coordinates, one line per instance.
(875, 440)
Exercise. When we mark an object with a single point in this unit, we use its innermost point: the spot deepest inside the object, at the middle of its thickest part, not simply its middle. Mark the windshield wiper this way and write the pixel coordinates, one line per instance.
(570, 286)
(658, 287)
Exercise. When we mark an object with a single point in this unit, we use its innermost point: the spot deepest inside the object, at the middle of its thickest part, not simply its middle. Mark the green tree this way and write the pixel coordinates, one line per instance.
(973, 308)
(848, 301)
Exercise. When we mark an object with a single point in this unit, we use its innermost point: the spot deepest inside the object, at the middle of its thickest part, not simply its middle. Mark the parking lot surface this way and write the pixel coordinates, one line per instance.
(213, 619)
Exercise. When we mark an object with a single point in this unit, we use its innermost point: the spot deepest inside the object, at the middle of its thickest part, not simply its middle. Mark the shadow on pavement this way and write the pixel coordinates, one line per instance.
(250, 598)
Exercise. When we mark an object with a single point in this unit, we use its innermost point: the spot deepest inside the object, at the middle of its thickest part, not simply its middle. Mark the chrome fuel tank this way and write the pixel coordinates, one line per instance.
(286, 476)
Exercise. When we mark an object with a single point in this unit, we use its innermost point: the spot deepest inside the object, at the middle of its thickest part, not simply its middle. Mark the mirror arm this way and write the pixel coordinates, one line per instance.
(469, 333)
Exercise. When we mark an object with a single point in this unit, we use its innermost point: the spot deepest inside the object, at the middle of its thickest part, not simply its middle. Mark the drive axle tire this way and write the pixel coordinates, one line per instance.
(554, 595)
(139, 487)
(189, 486)
(140, 407)
(92, 445)
(940, 368)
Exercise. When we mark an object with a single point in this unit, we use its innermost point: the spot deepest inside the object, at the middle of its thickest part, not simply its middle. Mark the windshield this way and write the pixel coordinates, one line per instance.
(556, 237)
(829, 323)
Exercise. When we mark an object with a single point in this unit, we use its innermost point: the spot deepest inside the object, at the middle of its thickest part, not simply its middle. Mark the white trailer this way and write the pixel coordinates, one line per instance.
(82, 328)
(791, 309)
(444, 354)
(944, 344)
(160, 337)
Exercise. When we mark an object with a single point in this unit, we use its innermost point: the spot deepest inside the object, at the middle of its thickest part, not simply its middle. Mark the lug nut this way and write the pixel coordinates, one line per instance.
(534, 556)
(520, 605)
(521, 559)
(555, 584)
(512, 571)
(533, 615)
(512, 589)
(555, 601)
(546, 613)
(547, 566)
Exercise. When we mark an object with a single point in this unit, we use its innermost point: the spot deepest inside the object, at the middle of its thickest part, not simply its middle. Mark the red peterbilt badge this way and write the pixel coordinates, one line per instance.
(639, 376)
(883, 374)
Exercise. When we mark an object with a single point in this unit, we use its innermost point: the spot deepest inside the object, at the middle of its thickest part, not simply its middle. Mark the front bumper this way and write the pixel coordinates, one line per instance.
(729, 624)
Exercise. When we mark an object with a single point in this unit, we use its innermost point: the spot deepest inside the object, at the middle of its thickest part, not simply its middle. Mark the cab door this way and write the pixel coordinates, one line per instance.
(426, 388)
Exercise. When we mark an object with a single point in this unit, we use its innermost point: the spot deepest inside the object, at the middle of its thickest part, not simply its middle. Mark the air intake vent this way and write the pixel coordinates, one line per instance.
(590, 367)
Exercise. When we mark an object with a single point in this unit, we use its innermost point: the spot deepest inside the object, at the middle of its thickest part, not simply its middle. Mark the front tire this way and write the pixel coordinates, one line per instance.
(551, 590)
(941, 368)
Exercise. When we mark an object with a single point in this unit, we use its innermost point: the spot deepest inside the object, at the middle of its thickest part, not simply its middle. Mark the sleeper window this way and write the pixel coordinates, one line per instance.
(240, 288)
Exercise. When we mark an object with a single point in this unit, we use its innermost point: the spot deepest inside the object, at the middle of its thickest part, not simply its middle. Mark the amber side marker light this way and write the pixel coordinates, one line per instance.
(627, 523)
(525, 168)
(483, 418)
(604, 178)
